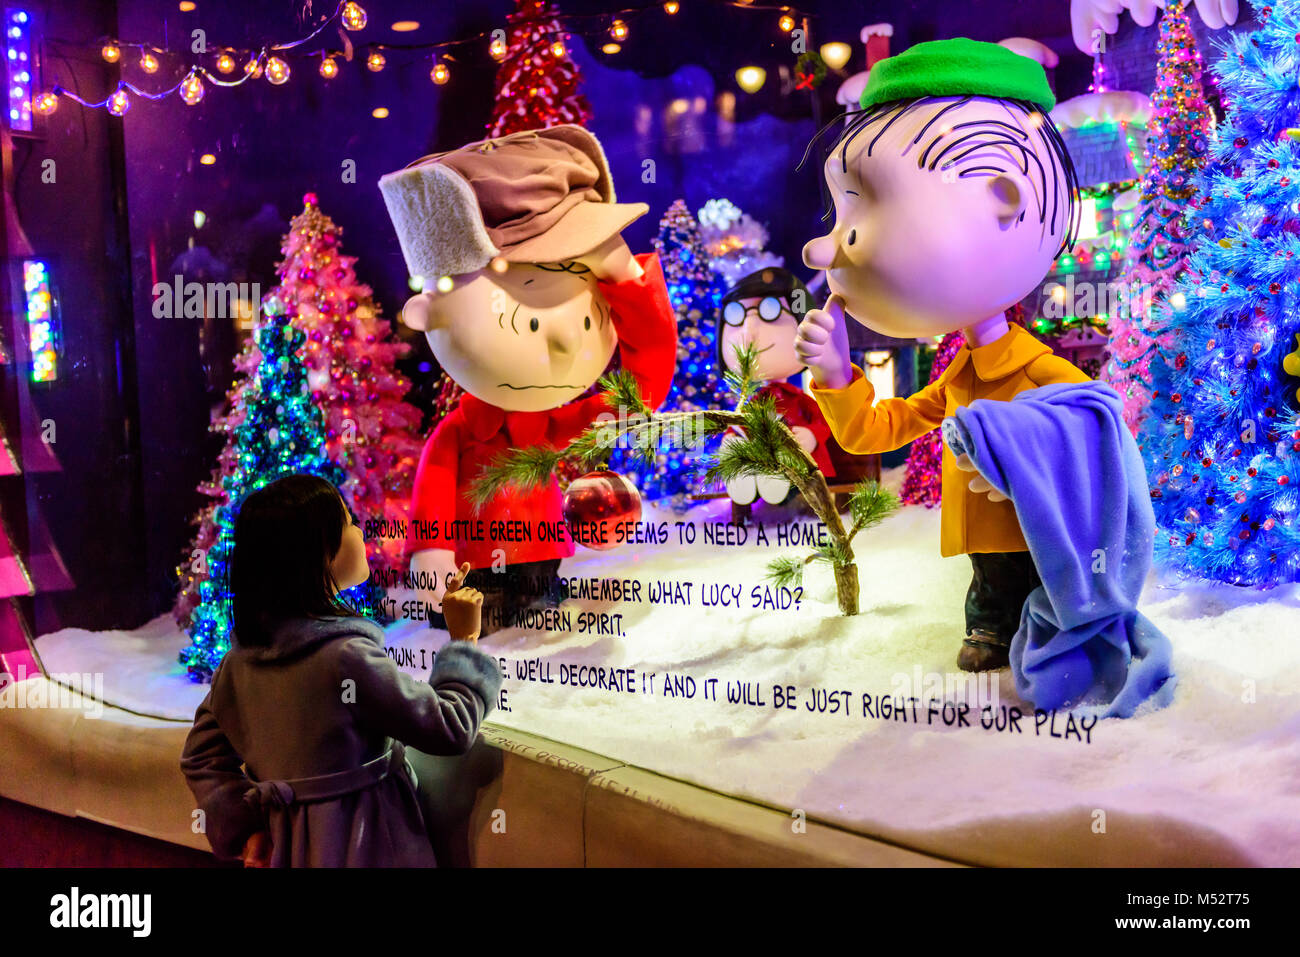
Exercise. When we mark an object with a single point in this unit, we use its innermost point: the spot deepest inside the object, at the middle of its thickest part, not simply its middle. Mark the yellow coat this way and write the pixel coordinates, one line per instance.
(999, 370)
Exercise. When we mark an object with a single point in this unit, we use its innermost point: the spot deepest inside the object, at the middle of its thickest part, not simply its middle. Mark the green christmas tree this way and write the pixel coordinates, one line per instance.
(280, 432)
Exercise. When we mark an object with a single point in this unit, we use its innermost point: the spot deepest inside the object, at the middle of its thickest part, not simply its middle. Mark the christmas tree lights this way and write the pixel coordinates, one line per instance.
(1222, 436)
(537, 82)
(1177, 142)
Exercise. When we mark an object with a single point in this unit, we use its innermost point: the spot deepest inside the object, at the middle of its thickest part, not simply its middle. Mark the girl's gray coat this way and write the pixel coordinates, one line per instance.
(324, 699)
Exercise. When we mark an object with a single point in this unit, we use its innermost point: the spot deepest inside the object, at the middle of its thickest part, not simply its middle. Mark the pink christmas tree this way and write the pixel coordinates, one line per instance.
(370, 430)
(348, 357)
(923, 482)
(1177, 143)
(537, 82)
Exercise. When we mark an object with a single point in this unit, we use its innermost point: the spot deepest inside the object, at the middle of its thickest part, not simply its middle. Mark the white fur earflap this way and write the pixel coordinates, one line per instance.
(437, 219)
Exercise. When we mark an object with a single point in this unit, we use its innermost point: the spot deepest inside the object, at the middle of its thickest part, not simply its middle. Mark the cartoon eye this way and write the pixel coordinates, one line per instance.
(586, 322)
(533, 324)
(853, 236)
(769, 308)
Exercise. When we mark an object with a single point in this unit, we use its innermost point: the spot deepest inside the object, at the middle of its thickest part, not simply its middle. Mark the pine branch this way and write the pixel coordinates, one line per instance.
(785, 572)
(742, 380)
(520, 468)
(835, 553)
(870, 504)
(624, 392)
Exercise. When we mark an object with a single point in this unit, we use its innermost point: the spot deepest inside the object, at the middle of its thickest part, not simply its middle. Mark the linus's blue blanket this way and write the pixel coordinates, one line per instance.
(1064, 457)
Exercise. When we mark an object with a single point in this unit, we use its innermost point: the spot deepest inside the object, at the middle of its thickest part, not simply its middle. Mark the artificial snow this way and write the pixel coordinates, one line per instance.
(1213, 779)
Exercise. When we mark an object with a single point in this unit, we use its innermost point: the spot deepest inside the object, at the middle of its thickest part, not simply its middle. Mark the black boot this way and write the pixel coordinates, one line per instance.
(984, 651)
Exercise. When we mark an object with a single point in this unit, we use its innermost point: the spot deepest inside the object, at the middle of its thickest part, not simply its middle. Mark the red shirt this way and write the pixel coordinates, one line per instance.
(799, 408)
(475, 432)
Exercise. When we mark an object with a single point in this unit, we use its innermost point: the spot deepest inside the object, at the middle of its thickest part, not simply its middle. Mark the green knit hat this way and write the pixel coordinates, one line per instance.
(958, 67)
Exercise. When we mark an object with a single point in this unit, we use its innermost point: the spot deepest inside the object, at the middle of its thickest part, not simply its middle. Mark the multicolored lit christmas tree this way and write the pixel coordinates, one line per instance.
(319, 393)
(923, 482)
(274, 429)
(1222, 436)
(370, 431)
(1177, 143)
(695, 292)
(537, 82)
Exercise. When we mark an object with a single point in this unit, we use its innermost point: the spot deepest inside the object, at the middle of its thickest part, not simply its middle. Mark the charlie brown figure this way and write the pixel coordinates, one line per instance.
(529, 289)
(953, 195)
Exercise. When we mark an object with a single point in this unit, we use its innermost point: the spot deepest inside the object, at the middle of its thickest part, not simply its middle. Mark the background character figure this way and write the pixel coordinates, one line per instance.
(764, 310)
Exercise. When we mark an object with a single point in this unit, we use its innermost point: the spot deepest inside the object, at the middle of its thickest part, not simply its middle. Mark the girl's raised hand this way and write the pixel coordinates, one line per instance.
(462, 608)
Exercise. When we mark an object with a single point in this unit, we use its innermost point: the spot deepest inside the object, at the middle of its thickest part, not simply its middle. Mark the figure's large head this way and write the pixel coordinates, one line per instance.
(520, 336)
(952, 189)
(496, 230)
(763, 310)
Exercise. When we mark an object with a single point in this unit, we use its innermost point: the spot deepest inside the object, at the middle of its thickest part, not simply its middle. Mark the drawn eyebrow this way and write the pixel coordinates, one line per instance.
(512, 318)
(527, 281)
(851, 192)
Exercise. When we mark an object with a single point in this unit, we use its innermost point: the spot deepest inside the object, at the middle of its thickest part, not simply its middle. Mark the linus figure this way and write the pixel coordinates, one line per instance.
(763, 311)
(529, 290)
(953, 194)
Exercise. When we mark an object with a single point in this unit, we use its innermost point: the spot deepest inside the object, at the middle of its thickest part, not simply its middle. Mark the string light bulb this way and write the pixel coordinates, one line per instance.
(43, 104)
(497, 49)
(671, 7)
(225, 63)
(375, 62)
(557, 49)
(836, 54)
(329, 67)
(148, 62)
(253, 67)
(119, 102)
(277, 71)
(751, 78)
(192, 89)
(610, 48)
(354, 16)
(111, 52)
(618, 30)
(440, 74)
(786, 23)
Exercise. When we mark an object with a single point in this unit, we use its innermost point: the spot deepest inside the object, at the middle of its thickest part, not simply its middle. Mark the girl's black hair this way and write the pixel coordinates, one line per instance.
(1064, 180)
(769, 281)
(286, 535)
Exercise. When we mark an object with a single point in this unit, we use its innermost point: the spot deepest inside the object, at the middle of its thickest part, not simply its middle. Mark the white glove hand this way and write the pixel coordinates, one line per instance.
(822, 344)
(979, 484)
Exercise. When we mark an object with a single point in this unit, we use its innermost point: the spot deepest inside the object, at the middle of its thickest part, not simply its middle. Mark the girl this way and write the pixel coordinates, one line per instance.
(311, 706)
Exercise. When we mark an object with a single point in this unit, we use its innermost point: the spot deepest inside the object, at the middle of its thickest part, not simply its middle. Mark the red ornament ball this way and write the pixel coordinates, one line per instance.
(595, 505)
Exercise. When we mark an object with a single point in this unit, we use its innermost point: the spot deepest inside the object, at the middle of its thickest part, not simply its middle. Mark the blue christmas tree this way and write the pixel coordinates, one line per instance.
(281, 432)
(1222, 435)
(695, 291)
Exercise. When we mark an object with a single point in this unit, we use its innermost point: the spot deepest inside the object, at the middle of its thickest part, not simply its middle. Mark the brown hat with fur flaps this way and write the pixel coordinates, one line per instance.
(541, 196)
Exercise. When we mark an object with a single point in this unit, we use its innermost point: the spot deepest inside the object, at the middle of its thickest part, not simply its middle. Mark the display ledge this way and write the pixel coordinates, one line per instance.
(515, 800)
(688, 690)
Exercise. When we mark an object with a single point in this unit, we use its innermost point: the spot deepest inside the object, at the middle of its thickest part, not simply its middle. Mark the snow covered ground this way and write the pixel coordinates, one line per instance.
(1213, 779)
